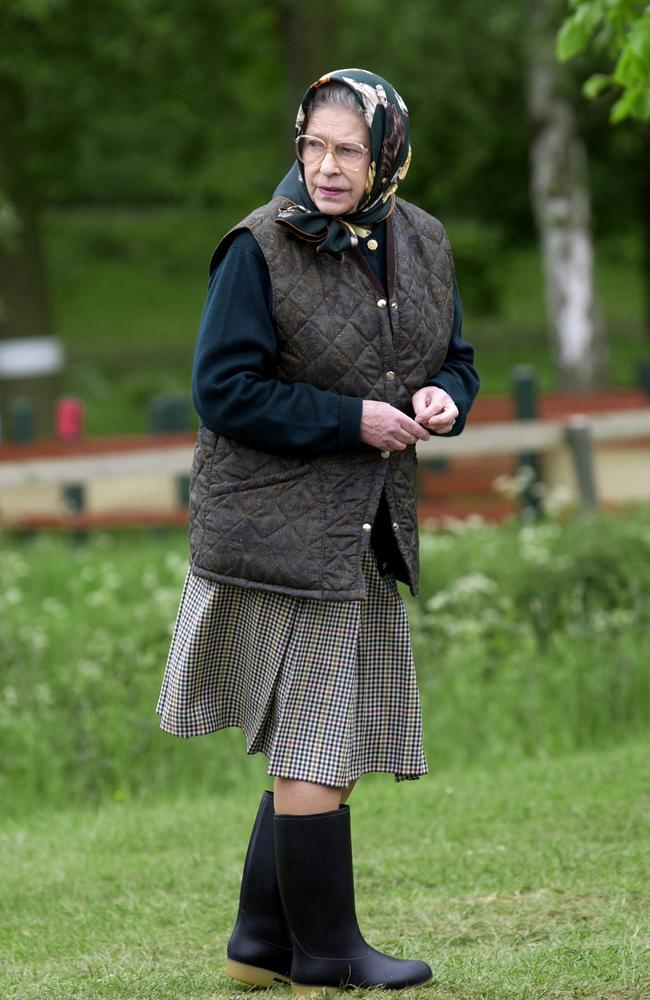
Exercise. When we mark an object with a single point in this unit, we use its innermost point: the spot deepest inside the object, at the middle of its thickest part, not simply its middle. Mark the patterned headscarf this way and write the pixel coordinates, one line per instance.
(386, 116)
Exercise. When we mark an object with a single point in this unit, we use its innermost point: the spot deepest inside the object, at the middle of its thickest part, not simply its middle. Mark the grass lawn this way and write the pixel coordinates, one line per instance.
(525, 879)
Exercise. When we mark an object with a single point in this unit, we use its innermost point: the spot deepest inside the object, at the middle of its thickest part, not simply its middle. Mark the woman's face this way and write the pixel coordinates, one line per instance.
(334, 190)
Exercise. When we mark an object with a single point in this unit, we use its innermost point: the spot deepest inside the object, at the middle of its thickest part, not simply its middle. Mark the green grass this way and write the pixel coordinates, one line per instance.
(518, 880)
(529, 640)
(128, 289)
(519, 868)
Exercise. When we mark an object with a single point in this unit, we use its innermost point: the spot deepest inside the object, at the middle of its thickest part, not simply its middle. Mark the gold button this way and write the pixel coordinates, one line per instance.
(382, 303)
(389, 376)
(372, 244)
(366, 527)
(385, 454)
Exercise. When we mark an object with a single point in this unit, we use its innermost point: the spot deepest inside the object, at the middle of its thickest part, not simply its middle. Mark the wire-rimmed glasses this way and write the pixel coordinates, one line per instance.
(312, 150)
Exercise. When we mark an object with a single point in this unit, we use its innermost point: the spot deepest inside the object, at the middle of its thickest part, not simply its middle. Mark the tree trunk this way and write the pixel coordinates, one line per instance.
(24, 303)
(645, 230)
(308, 43)
(561, 201)
(23, 289)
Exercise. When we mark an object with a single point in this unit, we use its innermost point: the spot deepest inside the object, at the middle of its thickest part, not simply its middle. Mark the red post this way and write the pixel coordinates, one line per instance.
(70, 414)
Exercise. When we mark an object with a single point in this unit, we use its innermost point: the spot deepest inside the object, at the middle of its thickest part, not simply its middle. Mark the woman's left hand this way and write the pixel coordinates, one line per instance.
(434, 409)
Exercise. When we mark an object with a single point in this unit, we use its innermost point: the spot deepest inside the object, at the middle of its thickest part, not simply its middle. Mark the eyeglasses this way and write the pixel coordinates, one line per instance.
(311, 150)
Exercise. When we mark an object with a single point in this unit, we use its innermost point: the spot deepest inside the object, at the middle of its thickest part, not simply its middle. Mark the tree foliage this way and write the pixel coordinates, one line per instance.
(621, 30)
(139, 101)
(142, 102)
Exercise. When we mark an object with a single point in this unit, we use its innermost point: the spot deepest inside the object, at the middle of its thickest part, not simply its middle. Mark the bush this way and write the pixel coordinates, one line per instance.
(535, 638)
(528, 640)
(479, 254)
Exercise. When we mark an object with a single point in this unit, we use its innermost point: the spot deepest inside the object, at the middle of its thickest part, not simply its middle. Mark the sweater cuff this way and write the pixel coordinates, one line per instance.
(350, 422)
(449, 386)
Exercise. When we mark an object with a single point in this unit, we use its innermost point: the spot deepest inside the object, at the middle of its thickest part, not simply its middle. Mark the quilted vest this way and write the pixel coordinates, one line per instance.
(299, 525)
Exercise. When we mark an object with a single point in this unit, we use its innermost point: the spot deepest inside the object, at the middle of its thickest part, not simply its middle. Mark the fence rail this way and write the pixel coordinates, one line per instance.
(104, 479)
(511, 437)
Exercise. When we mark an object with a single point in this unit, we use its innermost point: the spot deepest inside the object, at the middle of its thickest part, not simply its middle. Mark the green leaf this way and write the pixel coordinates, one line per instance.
(596, 84)
(629, 105)
(572, 38)
(629, 70)
(639, 40)
(576, 32)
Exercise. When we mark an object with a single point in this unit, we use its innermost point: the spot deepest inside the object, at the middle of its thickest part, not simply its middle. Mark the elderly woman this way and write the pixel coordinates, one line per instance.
(330, 344)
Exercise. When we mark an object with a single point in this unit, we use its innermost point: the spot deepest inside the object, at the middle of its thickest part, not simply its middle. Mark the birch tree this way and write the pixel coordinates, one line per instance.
(620, 29)
(561, 202)
(617, 32)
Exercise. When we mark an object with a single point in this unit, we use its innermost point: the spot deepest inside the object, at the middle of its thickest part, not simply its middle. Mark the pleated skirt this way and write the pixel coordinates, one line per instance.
(325, 689)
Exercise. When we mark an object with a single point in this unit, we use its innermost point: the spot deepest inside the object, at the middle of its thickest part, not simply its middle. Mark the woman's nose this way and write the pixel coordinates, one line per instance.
(328, 164)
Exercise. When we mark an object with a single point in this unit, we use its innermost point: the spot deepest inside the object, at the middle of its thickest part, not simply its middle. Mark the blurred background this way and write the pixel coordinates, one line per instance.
(133, 135)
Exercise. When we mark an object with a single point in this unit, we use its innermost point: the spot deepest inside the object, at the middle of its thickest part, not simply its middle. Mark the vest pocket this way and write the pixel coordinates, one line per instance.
(257, 482)
(267, 529)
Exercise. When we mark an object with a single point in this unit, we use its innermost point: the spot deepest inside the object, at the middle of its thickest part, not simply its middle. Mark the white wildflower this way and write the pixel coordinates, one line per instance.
(10, 696)
(90, 669)
(97, 598)
(51, 606)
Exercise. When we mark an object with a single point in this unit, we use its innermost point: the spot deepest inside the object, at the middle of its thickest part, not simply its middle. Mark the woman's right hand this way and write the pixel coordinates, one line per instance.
(385, 427)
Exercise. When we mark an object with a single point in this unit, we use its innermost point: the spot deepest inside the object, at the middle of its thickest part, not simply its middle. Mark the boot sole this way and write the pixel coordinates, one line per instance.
(252, 975)
(303, 990)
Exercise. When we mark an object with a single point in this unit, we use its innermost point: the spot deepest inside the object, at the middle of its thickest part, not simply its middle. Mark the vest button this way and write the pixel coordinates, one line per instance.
(366, 527)
(389, 376)
(395, 526)
(382, 303)
(385, 454)
(393, 304)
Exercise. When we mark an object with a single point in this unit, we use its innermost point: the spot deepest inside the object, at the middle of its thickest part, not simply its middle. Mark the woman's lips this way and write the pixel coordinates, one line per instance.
(331, 192)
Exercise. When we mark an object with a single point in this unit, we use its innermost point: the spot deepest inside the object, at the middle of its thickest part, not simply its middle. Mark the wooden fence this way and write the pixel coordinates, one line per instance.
(603, 457)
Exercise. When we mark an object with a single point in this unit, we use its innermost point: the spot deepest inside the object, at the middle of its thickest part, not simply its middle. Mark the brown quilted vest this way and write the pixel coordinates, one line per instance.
(299, 525)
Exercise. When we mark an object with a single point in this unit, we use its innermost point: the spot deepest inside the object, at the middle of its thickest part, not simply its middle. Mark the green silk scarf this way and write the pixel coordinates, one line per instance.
(386, 116)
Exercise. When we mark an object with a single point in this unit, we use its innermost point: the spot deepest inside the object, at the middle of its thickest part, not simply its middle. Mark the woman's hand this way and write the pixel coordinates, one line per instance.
(385, 427)
(434, 409)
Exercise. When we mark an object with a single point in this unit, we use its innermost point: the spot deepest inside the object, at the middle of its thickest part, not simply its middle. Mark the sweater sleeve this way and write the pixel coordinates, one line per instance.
(458, 376)
(234, 387)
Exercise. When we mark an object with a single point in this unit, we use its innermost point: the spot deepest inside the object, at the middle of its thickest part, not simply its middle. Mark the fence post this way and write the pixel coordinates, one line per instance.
(644, 377)
(70, 412)
(21, 420)
(74, 502)
(168, 414)
(171, 414)
(524, 396)
(578, 434)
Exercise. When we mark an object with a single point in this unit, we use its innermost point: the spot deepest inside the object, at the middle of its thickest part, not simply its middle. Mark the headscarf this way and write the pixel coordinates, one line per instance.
(386, 116)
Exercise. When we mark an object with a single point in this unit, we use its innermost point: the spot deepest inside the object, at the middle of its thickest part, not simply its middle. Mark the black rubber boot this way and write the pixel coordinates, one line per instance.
(259, 950)
(314, 867)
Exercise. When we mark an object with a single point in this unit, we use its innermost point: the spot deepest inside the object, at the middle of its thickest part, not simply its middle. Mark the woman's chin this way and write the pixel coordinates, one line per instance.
(331, 206)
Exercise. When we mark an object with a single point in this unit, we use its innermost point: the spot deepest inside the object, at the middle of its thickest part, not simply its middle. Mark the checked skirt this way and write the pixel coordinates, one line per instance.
(325, 689)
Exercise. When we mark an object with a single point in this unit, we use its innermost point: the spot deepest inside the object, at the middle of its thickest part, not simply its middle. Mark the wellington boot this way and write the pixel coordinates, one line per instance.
(314, 870)
(259, 950)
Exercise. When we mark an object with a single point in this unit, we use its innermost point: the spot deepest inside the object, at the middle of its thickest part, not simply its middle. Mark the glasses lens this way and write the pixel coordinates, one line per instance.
(311, 149)
(349, 154)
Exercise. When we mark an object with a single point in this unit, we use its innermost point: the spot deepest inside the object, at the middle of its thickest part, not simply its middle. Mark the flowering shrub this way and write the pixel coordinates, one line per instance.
(528, 639)
(535, 637)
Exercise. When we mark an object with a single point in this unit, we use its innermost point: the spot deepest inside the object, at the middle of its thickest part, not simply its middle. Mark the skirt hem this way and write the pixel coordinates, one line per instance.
(295, 774)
